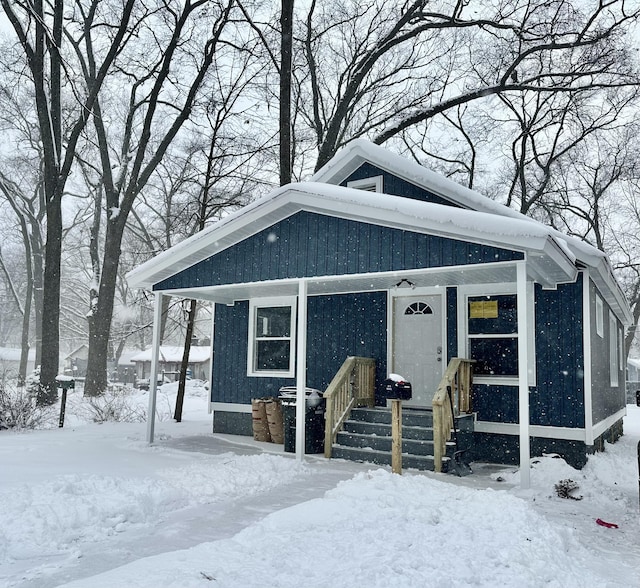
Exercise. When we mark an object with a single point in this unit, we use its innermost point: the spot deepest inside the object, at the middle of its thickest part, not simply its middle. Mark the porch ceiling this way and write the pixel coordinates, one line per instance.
(499, 272)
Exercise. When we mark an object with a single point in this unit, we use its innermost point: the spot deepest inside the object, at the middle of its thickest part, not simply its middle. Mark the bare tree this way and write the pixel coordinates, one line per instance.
(379, 68)
(160, 102)
(29, 214)
(40, 31)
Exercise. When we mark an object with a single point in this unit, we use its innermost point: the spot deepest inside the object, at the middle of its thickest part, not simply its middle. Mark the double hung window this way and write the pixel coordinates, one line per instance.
(271, 337)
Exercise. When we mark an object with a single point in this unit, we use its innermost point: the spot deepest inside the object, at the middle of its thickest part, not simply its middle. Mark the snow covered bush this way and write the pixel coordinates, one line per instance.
(113, 406)
(19, 410)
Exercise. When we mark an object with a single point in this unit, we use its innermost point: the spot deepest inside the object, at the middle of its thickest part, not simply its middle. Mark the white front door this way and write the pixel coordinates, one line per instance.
(418, 345)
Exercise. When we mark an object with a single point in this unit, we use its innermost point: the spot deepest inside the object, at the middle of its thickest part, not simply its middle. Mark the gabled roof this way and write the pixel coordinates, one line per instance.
(552, 256)
(77, 351)
(360, 151)
(13, 354)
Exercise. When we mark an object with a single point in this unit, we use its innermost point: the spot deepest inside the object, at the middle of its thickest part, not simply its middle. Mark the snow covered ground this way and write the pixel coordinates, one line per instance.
(92, 505)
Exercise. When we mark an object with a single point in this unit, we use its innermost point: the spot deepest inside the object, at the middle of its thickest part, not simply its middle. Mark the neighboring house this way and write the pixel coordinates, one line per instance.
(169, 361)
(633, 379)
(10, 361)
(124, 371)
(391, 261)
(75, 363)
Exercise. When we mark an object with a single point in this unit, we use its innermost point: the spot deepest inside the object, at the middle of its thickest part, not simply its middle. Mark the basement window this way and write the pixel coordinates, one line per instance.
(271, 338)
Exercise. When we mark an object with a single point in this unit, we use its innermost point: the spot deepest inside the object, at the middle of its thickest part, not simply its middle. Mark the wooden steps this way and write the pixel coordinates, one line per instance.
(366, 437)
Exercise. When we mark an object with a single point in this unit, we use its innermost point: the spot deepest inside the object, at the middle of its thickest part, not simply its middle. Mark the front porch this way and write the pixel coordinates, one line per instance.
(432, 438)
(366, 437)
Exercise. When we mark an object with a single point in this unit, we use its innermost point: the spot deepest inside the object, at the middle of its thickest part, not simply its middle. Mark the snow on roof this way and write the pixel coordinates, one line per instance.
(13, 354)
(479, 219)
(125, 357)
(353, 155)
(347, 160)
(173, 354)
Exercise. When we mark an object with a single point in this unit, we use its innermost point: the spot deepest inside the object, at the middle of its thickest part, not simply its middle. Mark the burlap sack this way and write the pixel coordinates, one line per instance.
(259, 418)
(274, 419)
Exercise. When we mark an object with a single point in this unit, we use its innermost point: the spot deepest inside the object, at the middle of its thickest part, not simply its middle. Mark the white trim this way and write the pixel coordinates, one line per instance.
(213, 332)
(346, 283)
(495, 380)
(602, 426)
(498, 289)
(586, 346)
(614, 368)
(512, 429)
(546, 432)
(374, 182)
(254, 304)
(523, 374)
(621, 366)
(153, 376)
(229, 407)
(599, 316)
(426, 291)
(301, 371)
(613, 350)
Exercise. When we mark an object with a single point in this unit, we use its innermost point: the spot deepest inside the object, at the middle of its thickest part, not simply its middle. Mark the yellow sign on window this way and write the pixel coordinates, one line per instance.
(483, 309)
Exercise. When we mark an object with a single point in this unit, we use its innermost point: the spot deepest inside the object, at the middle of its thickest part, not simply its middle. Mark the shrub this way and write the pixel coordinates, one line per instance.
(19, 410)
(113, 406)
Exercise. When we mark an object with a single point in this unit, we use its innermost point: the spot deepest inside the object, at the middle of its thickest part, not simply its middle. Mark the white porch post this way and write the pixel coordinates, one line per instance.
(301, 369)
(153, 376)
(523, 376)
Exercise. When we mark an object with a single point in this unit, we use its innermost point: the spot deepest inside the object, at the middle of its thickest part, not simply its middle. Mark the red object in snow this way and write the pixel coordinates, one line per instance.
(605, 524)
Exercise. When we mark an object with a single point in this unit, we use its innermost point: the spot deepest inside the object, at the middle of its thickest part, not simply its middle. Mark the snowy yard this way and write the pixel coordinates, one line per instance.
(91, 505)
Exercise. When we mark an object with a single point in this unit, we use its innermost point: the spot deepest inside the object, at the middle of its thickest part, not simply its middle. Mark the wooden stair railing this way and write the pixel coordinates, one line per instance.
(353, 385)
(456, 381)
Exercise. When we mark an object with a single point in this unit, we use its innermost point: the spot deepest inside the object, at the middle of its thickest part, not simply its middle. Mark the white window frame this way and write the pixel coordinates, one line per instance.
(372, 184)
(614, 366)
(621, 346)
(466, 292)
(254, 305)
(599, 317)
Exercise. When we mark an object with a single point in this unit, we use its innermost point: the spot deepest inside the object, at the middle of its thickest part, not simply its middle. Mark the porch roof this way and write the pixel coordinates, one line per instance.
(499, 272)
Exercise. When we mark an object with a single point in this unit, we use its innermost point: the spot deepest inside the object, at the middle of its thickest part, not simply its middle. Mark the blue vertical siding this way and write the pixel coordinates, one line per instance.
(343, 325)
(337, 326)
(606, 399)
(558, 399)
(310, 244)
(497, 404)
(452, 323)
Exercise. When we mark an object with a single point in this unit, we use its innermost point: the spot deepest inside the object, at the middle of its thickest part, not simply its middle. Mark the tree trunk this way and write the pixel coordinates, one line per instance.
(26, 316)
(48, 392)
(38, 289)
(100, 318)
(286, 49)
(191, 321)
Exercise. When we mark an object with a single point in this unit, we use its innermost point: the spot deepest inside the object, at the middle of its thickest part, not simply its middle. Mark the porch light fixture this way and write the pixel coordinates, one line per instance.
(404, 283)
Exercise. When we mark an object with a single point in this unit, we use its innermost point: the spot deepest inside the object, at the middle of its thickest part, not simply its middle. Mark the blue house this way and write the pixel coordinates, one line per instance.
(377, 257)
